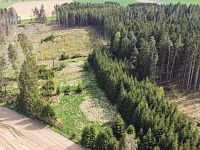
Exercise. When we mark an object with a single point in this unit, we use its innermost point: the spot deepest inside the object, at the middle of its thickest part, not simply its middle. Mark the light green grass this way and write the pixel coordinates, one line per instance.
(73, 42)
(29, 21)
(67, 108)
(123, 2)
(188, 2)
(5, 4)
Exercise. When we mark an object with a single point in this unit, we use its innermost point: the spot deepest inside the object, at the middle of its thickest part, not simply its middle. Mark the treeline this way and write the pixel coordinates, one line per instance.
(161, 42)
(30, 100)
(158, 123)
(8, 17)
(115, 137)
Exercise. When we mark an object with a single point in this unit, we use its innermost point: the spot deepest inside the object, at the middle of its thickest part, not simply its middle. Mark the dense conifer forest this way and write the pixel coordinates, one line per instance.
(149, 44)
(157, 41)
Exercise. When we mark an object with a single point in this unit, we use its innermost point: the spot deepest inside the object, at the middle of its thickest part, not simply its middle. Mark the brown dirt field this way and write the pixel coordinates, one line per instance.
(24, 9)
(150, 1)
(21, 133)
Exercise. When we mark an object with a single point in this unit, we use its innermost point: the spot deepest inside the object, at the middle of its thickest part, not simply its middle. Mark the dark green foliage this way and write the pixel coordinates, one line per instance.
(106, 141)
(159, 42)
(48, 38)
(44, 73)
(64, 57)
(86, 66)
(66, 90)
(12, 54)
(118, 127)
(143, 104)
(2, 81)
(76, 56)
(29, 100)
(79, 89)
(88, 137)
(130, 129)
(148, 43)
(58, 90)
(48, 88)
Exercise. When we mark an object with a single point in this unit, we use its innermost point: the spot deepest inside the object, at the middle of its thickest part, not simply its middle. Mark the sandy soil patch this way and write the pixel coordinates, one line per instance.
(21, 133)
(150, 1)
(24, 9)
(98, 111)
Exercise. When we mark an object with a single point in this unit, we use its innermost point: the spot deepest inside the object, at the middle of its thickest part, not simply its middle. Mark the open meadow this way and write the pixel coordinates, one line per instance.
(188, 2)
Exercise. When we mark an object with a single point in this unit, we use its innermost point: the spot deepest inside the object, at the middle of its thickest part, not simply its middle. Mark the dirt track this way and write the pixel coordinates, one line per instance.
(24, 9)
(21, 133)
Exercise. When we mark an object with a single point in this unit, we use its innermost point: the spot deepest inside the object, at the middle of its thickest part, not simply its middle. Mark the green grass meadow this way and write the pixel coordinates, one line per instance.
(188, 2)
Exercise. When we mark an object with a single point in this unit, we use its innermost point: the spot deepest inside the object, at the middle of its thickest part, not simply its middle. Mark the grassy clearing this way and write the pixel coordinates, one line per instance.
(5, 4)
(68, 108)
(73, 42)
(188, 2)
(30, 21)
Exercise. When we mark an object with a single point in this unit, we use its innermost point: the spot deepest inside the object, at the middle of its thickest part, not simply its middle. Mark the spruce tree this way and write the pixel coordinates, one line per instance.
(29, 88)
(118, 127)
(88, 137)
(153, 59)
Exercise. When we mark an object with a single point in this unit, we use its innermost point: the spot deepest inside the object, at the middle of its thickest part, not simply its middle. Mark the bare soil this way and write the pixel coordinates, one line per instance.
(24, 9)
(18, 132)
(150, 1)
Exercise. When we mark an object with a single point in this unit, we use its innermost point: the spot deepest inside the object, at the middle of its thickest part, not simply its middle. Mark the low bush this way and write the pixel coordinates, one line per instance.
(64, 57)
(79, 89)
(66, 90)
(48, 38)
(76, 56)
(59, 68)
(48, 88)
(44, 73)
(58, 90)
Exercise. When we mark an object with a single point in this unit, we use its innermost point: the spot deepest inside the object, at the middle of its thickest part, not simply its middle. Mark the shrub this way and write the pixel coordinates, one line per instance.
(79, 89)
(62, 65)
(48, 114)
(59, 68)
(64, 57)
(67, 90)
(48, 38)
(118, 127)
(106, 141)
(48, 88)
(76, 56)
(44, 73)
(131, 129)
(58, 90)
(86, 66)
(88, 137)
